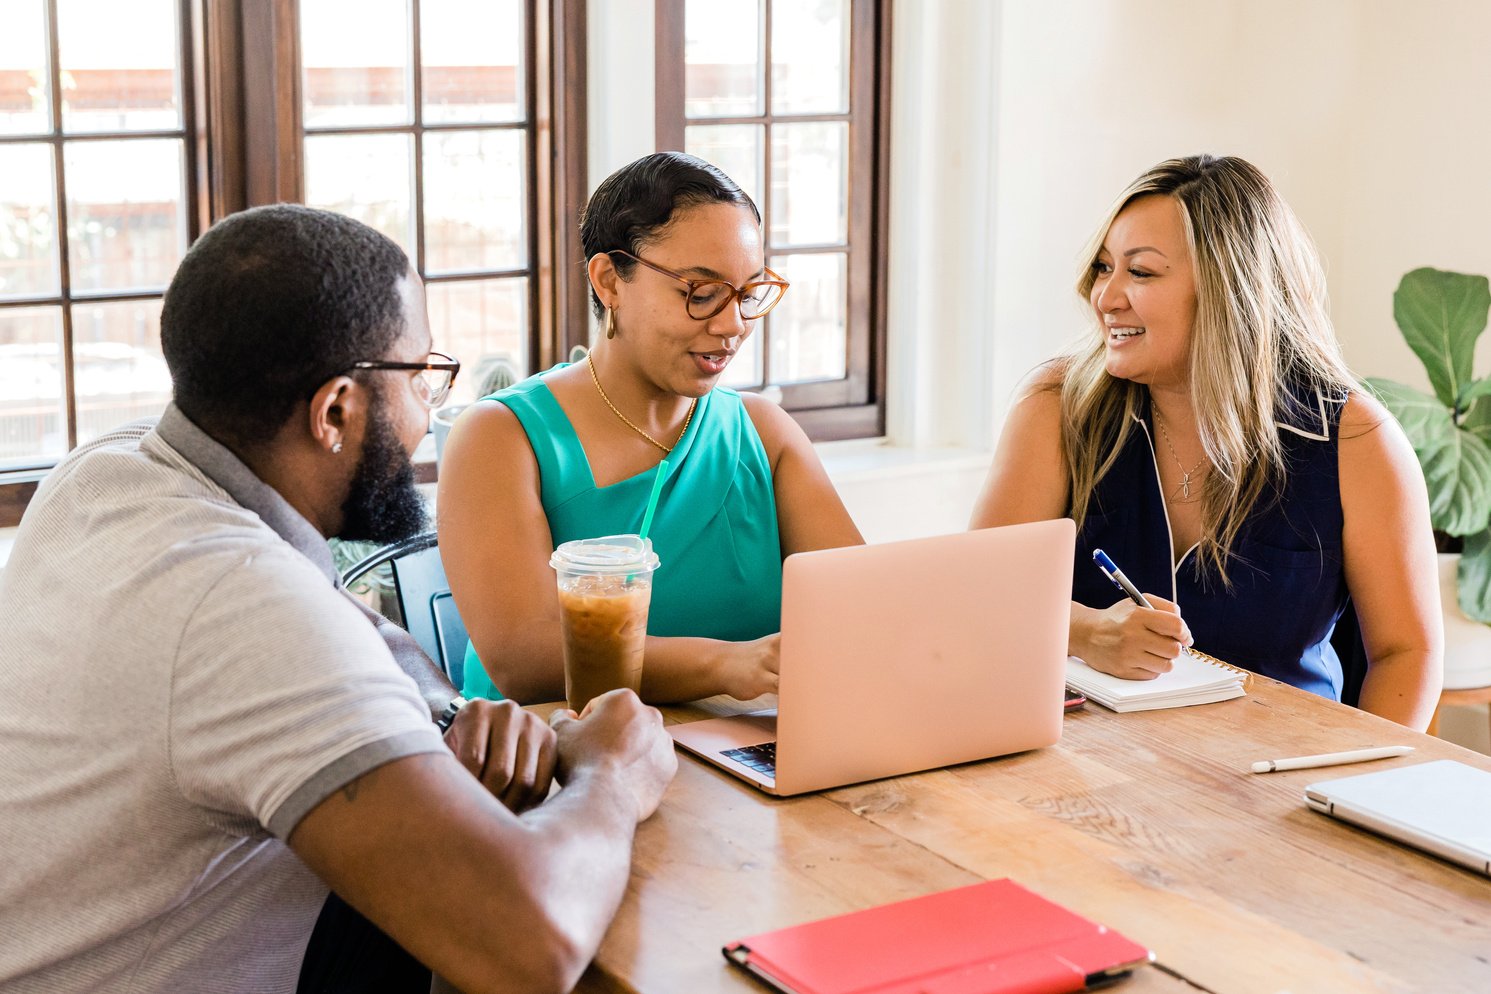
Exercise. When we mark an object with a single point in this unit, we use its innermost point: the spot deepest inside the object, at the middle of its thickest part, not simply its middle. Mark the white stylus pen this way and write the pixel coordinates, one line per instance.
(1330, 759)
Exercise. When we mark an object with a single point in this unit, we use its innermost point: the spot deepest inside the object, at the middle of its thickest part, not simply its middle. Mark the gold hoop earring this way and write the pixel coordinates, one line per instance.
(610, 322)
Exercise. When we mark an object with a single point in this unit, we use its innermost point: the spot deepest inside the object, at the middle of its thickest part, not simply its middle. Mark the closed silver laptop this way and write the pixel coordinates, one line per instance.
(1443, 807)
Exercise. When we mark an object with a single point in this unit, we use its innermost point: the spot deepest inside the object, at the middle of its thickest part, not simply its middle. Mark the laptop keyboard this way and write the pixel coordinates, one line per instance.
(761, 758)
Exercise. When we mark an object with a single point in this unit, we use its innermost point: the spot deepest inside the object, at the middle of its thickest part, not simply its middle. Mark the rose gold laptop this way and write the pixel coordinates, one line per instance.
(908, 656)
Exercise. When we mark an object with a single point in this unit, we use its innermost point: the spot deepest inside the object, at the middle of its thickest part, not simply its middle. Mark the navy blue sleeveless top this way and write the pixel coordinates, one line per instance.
(1287, 570)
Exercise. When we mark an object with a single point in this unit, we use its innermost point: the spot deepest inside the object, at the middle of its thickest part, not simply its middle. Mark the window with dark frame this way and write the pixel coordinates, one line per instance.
(422, 125)
(788, 97)
(96, 209)
(232, 115)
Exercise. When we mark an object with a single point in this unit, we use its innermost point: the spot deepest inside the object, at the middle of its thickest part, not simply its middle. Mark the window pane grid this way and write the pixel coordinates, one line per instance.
(416, 128)
(33, 402)
(25, 80)
(814, 345)
(466, 277)
(105, 102)
(461, 100)
(715, 78)
(112, 77)
(80, 298)
(770, 119)
(92, 136)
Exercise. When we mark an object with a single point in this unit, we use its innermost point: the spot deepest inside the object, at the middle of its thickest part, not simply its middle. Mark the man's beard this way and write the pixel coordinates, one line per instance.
(382, 505)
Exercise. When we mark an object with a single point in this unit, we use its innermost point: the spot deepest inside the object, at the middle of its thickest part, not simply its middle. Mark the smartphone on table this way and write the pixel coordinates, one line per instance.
(1074, 700)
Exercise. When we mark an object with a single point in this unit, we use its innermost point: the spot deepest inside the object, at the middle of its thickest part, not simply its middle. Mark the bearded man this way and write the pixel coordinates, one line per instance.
(214, 762)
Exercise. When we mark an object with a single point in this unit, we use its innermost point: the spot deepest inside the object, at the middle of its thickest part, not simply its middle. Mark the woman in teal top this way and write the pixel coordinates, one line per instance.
(677, 271)
(715, 529)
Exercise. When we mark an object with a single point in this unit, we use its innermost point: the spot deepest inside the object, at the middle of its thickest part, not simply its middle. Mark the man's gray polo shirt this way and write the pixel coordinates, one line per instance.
(181, 681)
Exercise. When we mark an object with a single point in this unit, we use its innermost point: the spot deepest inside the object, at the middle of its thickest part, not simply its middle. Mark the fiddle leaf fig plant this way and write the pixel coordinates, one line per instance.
(1441, 315)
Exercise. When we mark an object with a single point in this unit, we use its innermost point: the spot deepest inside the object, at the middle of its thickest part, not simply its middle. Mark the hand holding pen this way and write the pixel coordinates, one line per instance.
(1135, 639)
(1112, 572)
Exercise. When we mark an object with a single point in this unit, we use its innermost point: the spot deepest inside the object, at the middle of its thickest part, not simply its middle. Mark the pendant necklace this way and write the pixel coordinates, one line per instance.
(1185, 475)
(628, 422)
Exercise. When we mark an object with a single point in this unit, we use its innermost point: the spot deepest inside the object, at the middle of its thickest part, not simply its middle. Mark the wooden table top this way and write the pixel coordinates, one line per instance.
(1149, 822)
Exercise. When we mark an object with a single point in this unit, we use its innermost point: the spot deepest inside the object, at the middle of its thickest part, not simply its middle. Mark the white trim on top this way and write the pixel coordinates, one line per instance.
(1324, 435)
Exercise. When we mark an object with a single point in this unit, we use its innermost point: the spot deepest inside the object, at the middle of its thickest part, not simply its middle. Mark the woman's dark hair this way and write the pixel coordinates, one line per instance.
(269, 304)
(637, 202)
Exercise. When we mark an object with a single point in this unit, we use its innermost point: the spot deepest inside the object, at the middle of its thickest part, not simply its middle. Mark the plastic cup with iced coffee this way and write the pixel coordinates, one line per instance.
(605, 588)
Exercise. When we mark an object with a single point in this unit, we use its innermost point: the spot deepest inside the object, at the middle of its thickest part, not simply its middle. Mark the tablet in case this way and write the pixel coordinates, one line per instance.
(1442, 807)
(989, 938)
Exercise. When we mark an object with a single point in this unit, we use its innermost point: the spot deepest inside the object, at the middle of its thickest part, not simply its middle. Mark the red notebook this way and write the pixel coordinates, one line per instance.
(989, 938)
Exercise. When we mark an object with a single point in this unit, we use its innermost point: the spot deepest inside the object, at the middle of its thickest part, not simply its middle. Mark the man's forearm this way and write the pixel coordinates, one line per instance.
(588, 828)
(574, 869)
(553, 877)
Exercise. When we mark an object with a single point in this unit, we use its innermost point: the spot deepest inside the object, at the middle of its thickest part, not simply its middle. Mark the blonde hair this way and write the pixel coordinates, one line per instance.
(1261, 328)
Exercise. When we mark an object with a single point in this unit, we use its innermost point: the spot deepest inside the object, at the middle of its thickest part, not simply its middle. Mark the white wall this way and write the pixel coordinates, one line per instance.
(1418, 186)
(1366, 113)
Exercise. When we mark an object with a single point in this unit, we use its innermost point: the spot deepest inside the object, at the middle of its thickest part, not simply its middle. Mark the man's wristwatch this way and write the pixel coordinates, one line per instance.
(449, 714)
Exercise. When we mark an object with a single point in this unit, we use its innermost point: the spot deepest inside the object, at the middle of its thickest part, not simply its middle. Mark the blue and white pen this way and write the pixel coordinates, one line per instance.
(1112, 572)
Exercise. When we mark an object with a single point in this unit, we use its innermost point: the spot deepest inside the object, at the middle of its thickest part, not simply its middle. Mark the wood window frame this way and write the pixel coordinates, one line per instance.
(241, 113)
(19, 484)
(555, 97)
(853, 407)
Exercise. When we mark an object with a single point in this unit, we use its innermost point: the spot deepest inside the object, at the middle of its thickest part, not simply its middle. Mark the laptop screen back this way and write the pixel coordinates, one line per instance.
(924, 653)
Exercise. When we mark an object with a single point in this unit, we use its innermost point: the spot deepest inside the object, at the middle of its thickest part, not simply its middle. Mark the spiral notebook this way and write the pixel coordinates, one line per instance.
(1196, 678)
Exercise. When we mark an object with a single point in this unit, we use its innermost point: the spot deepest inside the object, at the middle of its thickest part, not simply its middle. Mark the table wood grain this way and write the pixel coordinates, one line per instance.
(1148, 822)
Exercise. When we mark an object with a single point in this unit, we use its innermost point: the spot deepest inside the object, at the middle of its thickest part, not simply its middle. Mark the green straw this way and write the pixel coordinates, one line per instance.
(657, 488)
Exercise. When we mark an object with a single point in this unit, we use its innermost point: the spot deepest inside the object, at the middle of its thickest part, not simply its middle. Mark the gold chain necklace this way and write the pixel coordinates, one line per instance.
(627, 421)
(1185, 476)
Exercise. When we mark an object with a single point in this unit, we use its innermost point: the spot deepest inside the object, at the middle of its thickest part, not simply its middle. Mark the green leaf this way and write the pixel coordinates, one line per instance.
(1456, 462)
(1474, 577)
(1478, 421)
(1459, 479)
(1441, 314)
(1425, 420)
(1471, 392)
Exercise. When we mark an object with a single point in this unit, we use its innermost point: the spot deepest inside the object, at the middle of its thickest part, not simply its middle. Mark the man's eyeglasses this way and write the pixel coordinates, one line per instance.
(706, 298)
(435, 378)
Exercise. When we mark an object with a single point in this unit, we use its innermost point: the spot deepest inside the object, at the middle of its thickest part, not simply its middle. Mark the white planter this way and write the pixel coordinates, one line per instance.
(1467, 644)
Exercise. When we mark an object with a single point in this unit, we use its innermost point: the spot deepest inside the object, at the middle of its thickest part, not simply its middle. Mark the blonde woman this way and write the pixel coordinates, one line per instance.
(1209, 437)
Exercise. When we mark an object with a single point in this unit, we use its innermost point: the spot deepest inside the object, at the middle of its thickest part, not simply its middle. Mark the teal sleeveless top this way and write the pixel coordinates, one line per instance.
(714, 531)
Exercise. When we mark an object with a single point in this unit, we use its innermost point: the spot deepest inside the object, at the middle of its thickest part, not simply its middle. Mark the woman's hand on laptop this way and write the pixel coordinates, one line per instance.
(511, 751)
(749, 669)
(1129, 641)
